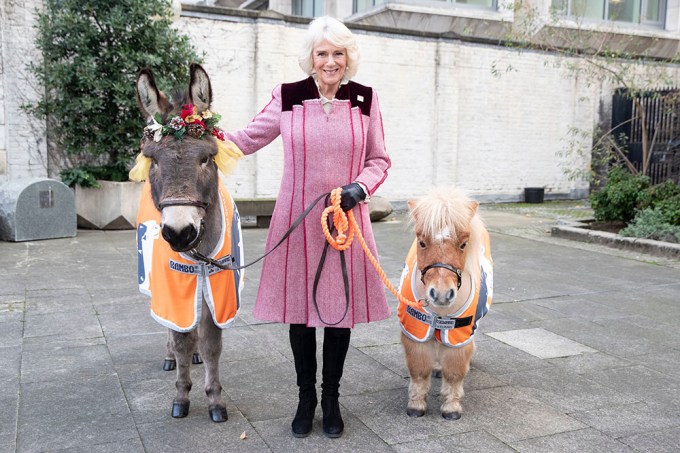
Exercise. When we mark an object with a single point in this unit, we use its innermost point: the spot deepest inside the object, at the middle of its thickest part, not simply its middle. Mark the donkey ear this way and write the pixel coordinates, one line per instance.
(200, 91)
(149, 99)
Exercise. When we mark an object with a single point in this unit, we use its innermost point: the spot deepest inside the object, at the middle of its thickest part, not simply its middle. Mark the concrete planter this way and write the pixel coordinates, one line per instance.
(111, 207)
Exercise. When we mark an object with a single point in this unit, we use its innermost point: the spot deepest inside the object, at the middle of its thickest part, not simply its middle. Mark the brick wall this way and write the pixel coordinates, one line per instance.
(22, 138)
(448, 119)
(488, 119)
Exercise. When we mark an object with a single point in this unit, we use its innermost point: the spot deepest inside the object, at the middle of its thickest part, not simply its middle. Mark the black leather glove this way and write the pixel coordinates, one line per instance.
(351, 195)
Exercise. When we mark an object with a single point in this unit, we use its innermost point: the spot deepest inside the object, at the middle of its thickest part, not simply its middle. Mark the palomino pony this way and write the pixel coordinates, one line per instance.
(186, 215)
(449, 269)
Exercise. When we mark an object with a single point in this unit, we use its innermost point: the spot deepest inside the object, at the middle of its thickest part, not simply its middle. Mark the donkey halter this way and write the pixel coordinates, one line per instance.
(455, 270)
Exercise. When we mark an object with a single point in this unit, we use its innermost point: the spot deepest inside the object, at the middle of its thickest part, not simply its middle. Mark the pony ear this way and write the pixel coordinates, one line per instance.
(149, 99)
(473, 207)
(411, 204)
(200, 91)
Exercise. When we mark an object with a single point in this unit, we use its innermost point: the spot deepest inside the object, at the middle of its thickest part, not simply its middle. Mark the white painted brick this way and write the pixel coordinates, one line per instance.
(448, 119)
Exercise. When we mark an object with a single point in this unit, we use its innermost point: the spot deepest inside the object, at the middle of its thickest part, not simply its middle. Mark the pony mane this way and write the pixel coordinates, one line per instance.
(450, 209)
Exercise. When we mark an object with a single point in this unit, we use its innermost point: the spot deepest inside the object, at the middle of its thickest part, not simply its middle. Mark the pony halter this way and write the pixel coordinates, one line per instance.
(455, 270)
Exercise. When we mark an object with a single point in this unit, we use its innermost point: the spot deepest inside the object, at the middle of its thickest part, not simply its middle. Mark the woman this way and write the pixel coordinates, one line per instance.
(332, 136)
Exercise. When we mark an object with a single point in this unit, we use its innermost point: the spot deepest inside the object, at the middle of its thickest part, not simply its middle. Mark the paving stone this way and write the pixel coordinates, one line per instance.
(377, 333)
(666, 440)
(112, 301)
(517, 314)
(475, 441)
(565, 390)
(629, 419)
(384, 413)
(59, 300)
(495, 357)
(579, 441)
(607, 340)
(10, 360)
(65, 360)
(658, 387)
(142, 348)
(63, 325)
(73, 412)
(355, 438)
(11, 331)
(197, 433)
(491, 409)
(130, 445)
(583, 363)
(390, 356)
(9, 401)
(9, 447)
(541, 343)
(151, 399)
(362, 374)
(135, 321)
(663, 362)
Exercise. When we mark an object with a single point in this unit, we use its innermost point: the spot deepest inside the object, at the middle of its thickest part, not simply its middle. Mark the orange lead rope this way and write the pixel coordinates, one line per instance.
(345, 222)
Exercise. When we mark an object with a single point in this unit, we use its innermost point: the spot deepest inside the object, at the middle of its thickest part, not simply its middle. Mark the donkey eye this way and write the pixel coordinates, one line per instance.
(154, 164)
(463, 245)
(205, 160)
(422, 244)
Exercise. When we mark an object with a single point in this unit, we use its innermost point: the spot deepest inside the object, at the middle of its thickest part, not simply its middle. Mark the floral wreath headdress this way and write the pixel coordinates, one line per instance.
(195, 125)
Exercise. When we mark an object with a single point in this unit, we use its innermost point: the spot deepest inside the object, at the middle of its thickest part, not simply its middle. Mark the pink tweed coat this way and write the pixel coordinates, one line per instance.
(322, 151)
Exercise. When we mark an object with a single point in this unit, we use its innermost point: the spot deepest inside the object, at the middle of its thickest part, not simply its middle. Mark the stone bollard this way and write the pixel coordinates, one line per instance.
(36, 208)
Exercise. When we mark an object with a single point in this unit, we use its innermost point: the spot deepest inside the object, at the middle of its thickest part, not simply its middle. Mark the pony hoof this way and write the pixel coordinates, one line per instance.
(451, 415)
(437, 373)
(196, 358)
(218, 414)
(415, 412)
(180, 410)
(169, 364)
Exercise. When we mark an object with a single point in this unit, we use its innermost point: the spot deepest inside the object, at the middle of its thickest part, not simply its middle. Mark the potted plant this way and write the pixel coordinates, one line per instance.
(92, 51)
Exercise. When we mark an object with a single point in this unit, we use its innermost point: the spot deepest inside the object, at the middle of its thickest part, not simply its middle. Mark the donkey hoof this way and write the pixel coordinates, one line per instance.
(196, 358)
(180, 410)
(415, 412)
(437, 373)
(451, 415)
(169, 364)
(218, 414)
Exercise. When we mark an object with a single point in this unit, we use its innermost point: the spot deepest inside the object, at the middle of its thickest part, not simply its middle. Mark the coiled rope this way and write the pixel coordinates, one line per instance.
(347, 228)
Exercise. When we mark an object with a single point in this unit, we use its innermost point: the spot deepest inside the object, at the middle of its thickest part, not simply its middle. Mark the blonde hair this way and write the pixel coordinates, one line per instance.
(335, 32)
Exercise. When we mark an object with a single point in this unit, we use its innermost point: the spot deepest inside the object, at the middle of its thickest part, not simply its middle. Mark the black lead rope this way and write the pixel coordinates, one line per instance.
(230, 265)
(345, 278)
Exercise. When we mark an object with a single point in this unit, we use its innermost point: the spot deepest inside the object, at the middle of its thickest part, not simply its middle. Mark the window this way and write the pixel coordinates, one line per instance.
(364, 5)
(630, 11)
(308, 8)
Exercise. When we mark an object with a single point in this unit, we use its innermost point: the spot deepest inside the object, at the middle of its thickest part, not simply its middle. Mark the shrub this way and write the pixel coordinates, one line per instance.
(92, 51)
(670, 208)
(619, 199)
(650, 223)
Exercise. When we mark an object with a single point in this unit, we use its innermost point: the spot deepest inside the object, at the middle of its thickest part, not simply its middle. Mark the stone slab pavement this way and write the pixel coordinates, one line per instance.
(580, 352)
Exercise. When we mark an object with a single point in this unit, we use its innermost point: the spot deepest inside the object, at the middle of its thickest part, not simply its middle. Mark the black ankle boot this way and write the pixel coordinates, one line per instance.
(333, 426)
(335, 346)
(303, 344)
(302, 423)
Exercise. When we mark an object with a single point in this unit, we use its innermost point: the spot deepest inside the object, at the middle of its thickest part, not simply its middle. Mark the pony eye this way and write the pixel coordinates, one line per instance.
(463, 245)
(421, 244)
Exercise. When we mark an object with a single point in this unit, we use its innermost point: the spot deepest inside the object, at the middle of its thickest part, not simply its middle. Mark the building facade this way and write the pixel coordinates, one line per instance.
(460, 106)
